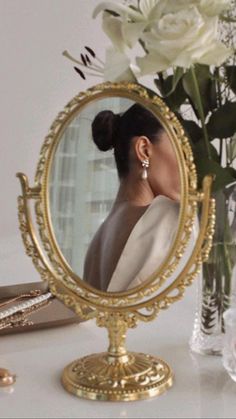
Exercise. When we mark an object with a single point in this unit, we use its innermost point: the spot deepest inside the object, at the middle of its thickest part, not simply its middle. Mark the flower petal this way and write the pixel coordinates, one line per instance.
(132, 32)
(217, 55)
(121, 9)
(146, 6)
(112, 26)
(184, 38)
(152, 63)
(117, 66)
(213, 7)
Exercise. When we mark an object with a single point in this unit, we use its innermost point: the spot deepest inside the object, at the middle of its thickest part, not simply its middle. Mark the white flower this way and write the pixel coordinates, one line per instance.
(122, 34)
(209, 7)
(122, 10)
(213, 7)
(112, 27)
(125, 29)
(148, 7)
(173, 6)
(182, 39)
(175, 33)
(118, 67)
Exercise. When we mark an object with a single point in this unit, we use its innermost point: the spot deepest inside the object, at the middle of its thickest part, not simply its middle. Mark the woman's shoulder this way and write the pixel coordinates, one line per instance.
(162, 214)
(161, 201)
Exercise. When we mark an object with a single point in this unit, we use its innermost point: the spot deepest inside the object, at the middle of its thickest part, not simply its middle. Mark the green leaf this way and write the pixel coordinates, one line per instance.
(231, 76)
(200, 151)
(168, 85)
(232, 171)
(206, 86)
(159, 84)
(212, 97)
(164, 85)
(178, 74)
(223, 175)
(192, 129)
(177, 98)
(222, 122)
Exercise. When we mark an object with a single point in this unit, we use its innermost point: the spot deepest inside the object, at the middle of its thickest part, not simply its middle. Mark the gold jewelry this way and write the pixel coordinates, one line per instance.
(6, 378)
(145, 165)
(20, 319)
(24, 305)
(33, 293)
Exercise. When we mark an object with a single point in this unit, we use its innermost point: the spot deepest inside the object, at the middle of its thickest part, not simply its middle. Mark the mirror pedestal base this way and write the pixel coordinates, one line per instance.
(135, 376)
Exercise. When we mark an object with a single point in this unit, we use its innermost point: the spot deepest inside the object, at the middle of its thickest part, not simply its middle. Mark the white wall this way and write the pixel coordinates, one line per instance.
(36, 83)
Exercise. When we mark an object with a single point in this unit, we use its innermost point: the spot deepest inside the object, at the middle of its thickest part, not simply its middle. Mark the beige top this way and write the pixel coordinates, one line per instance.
(144, 250)
(147, 246)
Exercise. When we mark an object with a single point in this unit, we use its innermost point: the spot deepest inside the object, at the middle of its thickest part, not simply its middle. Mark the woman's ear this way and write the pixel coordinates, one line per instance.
(143, 148)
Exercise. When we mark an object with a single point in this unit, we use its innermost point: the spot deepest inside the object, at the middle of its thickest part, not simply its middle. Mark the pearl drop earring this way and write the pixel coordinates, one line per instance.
(145, 165)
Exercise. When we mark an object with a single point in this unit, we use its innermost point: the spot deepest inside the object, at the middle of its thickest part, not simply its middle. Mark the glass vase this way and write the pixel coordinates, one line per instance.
(216, 284)
(229, 350)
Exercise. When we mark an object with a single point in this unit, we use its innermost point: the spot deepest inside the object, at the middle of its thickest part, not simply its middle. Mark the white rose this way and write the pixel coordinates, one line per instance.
(182, 39)
(173, 6)
(153, 8)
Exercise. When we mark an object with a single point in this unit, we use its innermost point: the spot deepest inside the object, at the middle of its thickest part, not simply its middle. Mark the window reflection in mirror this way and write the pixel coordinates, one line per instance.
(114, 194)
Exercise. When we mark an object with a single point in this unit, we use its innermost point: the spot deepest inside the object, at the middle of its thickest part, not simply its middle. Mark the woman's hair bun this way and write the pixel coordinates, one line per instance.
(104, 129)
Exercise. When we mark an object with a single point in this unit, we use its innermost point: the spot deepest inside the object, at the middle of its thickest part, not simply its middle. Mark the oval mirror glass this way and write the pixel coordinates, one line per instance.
(114, 193)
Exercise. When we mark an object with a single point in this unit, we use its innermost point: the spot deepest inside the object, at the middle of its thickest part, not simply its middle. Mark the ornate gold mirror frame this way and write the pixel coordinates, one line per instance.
(117, 374)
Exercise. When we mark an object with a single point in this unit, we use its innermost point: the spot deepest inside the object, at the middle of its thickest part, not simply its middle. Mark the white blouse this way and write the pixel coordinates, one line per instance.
(147, 246)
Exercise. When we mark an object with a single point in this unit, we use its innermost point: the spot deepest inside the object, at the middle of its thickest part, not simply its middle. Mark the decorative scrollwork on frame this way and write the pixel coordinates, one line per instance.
(118, 374)
(64, 283)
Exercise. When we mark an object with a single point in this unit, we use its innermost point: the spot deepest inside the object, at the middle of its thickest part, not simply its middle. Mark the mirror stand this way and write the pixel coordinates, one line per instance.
(117, 375)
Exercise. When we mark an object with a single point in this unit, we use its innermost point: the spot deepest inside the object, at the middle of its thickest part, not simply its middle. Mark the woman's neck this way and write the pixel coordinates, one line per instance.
(137, 192)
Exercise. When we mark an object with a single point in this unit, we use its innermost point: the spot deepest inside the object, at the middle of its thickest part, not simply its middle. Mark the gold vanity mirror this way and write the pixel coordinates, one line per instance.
(115, 201)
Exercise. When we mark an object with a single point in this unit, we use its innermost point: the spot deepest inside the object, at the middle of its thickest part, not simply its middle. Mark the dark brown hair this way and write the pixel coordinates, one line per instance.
(111, 130)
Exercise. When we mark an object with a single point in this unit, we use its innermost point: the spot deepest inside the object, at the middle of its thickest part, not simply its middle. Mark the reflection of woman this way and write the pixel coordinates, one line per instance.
(138, 232)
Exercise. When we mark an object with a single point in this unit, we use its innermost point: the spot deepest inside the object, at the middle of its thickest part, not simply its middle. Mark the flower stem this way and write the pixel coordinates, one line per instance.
(219, 104)
(200, 112)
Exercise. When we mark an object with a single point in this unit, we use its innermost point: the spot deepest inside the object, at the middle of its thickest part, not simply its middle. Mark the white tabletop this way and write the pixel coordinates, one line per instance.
(202, 388)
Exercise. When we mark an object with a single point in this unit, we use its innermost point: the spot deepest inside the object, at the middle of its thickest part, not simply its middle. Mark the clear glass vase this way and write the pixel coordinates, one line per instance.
(216, 285)
(229, 350)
